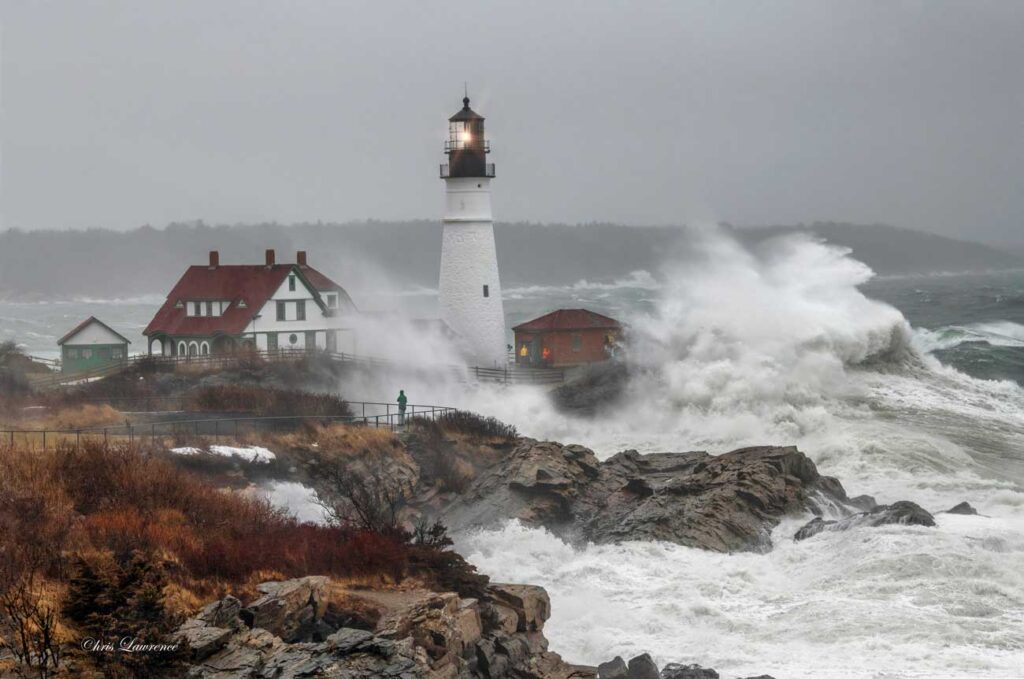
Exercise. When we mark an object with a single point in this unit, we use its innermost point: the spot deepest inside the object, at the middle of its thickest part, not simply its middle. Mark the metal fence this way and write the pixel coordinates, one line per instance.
(365, 413)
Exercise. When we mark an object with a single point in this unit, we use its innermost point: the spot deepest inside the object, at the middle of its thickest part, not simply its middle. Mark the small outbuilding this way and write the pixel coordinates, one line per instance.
(566, 337)
(92, 344)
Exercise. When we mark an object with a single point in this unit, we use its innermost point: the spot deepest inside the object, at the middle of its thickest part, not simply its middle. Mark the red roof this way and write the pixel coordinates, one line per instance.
(252, 283)
(569, 319)
(81, 326)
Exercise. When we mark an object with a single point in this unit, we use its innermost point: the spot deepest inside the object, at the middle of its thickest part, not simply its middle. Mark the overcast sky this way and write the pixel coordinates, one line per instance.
(125, 113)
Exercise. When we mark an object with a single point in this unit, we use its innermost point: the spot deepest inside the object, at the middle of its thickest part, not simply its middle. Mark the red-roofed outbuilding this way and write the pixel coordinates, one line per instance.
(566, 337)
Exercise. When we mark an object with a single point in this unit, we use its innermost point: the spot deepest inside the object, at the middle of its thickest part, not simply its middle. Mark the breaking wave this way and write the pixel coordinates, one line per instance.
(779, 345)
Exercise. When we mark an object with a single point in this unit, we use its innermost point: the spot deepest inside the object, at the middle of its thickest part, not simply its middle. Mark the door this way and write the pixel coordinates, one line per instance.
(271, 341)
(310, 341)
(332, 341)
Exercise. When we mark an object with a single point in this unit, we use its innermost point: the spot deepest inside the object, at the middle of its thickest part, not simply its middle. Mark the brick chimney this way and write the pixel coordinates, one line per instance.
(270, 258)
(214, 259)
(300, 258)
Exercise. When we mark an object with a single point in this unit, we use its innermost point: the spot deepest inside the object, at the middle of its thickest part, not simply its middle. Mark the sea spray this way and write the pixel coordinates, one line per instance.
(780, 346)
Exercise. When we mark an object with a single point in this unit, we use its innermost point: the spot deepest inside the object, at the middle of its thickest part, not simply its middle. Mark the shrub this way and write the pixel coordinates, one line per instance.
(116, 600)
(477, 426)
(265, 402)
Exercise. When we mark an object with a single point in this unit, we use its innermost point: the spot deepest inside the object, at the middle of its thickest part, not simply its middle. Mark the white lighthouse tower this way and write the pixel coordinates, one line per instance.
(470, 288)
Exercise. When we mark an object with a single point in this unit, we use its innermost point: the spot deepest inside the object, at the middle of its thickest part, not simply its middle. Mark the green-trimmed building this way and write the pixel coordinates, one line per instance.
(92, 344)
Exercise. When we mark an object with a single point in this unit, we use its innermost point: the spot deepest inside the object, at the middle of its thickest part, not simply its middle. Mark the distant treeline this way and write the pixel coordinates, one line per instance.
(105, 263)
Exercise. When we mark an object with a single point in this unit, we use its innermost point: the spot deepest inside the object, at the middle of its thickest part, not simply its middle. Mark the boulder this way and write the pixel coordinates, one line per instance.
(210, 630)
(678, 671)
(531, 604)
(613, 669)
(902, 512)
(288, 609)
(643, 667)
(963, 508)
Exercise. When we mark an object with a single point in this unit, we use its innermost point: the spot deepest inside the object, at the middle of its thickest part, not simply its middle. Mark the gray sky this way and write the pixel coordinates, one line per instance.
(123, 113)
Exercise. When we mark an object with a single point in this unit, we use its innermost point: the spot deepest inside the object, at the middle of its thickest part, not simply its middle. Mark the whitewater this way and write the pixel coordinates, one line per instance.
(780, 346)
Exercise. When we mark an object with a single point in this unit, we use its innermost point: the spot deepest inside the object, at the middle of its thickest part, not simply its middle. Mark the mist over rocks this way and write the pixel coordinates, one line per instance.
(723, 503)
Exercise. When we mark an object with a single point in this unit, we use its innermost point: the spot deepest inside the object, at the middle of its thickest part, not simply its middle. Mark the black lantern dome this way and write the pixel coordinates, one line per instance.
(466, 147)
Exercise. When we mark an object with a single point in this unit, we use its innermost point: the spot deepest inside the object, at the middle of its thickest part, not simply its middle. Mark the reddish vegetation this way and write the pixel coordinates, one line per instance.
(111, 523)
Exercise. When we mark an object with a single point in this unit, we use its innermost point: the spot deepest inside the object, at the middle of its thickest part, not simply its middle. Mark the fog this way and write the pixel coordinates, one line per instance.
(118, 114)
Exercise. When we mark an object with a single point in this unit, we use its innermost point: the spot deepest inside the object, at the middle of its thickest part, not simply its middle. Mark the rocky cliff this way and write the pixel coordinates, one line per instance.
(725, 503)
(313, 627)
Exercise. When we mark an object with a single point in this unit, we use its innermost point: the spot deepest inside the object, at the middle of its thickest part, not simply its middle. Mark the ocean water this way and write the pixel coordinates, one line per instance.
(902, 387)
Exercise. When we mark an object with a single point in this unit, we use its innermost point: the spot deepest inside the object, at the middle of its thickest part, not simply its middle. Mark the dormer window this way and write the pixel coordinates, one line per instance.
(332, 300)
(291, 283)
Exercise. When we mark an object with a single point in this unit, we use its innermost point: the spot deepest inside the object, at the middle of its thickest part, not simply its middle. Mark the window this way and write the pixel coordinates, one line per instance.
(293, 339)
(577, 343)
(197, 308)
(300, 310)
(209, 308)
(117, 352)
(281, 311)
(271, 341)
(332, 301)
(73, 354)
(487, 291)
(291, 283)
(86, 353)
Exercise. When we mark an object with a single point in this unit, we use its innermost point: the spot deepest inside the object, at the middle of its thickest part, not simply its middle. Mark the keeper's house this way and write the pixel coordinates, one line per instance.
(216, 309)
(566, 337)
(91, 344)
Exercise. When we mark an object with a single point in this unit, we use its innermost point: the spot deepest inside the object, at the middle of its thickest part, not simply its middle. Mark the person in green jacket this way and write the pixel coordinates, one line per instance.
(402, 400)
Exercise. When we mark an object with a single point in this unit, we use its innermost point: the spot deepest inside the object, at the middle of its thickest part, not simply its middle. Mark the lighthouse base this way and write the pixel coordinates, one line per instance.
(470, 292)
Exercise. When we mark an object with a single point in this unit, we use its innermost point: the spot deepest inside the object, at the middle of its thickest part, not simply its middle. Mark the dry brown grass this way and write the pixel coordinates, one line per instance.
(79, 417)
(337, 439)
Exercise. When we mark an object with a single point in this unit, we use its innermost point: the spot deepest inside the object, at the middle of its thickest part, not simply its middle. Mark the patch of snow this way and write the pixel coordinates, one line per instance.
(249, 453)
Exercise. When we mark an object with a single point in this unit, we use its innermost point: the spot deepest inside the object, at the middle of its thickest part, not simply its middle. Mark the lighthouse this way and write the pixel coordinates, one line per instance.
(470, 289)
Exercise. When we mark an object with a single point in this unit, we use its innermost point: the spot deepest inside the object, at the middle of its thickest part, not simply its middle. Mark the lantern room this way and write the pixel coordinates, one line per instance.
(466, 147)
